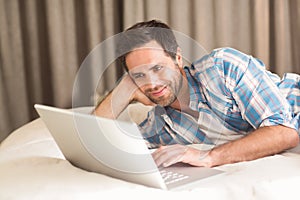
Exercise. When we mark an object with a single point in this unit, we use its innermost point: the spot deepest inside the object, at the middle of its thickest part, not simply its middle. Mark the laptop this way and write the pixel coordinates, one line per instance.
(114, 148)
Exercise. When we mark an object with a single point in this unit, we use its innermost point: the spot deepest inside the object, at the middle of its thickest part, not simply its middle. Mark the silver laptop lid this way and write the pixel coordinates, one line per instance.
(110, 147)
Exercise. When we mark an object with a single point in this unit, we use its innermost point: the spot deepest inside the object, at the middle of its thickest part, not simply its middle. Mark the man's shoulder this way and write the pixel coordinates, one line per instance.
(222, 55)
(228, 52)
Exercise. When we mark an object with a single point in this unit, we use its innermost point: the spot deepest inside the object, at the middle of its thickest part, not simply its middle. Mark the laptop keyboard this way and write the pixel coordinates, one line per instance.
(172, 177)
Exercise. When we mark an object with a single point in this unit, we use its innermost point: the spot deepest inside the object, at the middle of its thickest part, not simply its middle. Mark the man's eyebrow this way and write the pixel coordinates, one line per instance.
(151, 68)
(154, 66)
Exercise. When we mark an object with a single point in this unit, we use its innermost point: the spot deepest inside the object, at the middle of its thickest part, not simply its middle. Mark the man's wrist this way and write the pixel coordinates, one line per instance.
(206, 158)
(126, 89)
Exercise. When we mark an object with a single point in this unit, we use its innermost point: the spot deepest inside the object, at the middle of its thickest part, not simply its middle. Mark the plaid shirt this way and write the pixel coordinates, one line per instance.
(234, 95)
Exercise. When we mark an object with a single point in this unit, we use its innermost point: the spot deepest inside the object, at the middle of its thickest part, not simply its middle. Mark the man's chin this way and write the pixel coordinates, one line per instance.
(163, 102)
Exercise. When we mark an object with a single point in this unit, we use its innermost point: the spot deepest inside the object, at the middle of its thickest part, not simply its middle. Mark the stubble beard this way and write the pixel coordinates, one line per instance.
(174, 88)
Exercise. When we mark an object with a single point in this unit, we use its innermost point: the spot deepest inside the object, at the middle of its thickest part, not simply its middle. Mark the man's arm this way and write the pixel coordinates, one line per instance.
(119, 98)
(264, 141)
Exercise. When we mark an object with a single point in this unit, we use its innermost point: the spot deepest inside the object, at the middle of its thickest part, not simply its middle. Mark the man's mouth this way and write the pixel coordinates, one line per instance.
(159, 92)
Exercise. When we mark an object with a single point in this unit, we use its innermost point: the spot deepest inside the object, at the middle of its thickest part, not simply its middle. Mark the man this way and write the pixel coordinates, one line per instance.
(226, 97)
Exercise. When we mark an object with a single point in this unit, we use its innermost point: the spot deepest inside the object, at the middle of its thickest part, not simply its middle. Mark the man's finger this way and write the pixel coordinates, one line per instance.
(169, 155)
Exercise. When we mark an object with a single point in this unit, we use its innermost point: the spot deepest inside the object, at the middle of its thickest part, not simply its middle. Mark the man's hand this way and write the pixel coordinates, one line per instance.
(169, 155)
(133, 92)
(121, 96)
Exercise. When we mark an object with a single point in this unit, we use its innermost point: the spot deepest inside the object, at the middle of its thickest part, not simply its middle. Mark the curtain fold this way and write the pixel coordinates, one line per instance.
(13, 71)
(43, 43)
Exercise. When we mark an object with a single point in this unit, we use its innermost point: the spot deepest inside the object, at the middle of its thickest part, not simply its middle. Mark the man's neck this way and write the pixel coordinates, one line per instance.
(182, 103)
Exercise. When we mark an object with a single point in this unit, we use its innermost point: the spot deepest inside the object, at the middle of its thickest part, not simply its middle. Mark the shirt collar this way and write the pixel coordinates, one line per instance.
(195, 87)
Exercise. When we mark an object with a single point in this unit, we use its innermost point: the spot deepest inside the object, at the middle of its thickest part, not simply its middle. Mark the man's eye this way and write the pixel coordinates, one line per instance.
(157, 68)
(136, 76)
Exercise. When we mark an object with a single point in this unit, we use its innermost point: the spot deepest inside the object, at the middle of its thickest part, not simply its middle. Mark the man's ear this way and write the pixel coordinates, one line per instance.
(179, 60)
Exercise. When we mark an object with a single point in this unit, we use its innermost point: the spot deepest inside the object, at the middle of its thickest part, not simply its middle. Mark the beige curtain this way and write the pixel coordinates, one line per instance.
(44, 42)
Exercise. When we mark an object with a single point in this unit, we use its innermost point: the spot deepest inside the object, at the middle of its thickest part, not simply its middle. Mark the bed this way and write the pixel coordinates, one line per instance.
(33, 167)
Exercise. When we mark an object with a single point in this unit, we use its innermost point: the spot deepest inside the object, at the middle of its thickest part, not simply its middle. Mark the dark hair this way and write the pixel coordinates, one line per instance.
(143, 32)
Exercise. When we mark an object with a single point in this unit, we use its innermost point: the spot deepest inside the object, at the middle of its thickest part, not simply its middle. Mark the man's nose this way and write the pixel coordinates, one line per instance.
(153, 79)
(149, 79)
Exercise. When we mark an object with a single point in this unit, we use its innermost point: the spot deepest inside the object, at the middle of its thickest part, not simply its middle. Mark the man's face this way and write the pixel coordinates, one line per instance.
(156, 74)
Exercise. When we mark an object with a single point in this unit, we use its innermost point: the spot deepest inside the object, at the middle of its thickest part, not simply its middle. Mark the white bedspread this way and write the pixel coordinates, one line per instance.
(32, 167)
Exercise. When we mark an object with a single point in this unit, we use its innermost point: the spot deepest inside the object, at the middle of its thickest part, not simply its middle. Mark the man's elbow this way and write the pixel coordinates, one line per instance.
(293, 138)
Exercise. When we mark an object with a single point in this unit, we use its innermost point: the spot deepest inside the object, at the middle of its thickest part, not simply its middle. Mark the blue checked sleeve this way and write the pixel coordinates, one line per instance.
(255, 92)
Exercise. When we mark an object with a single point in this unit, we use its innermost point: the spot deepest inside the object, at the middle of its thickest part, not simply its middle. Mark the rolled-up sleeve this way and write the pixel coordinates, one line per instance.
(258, 97)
